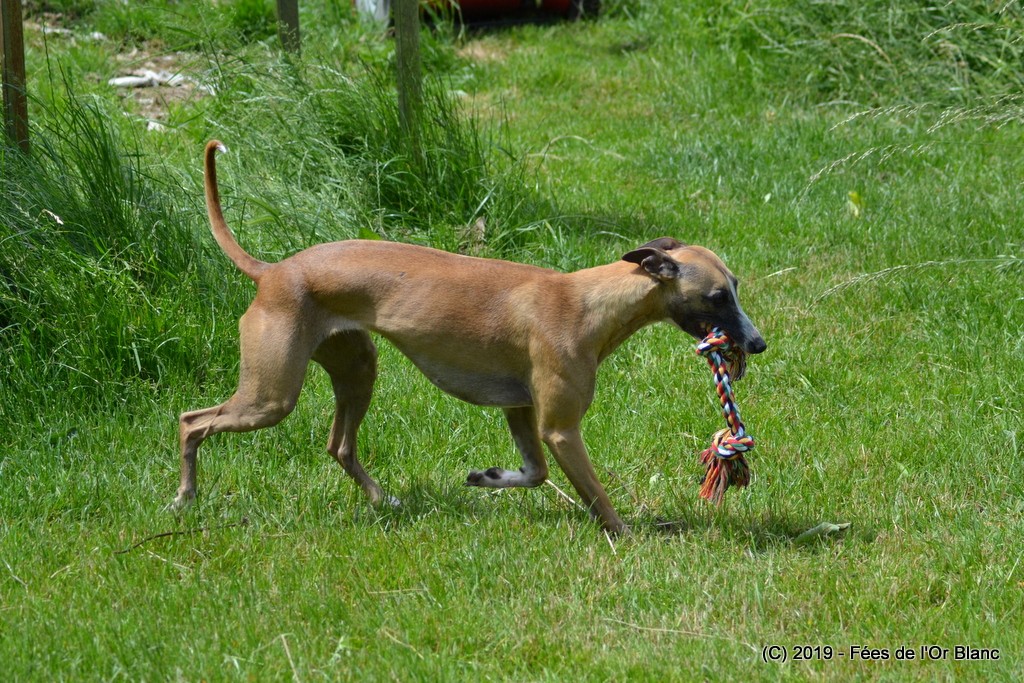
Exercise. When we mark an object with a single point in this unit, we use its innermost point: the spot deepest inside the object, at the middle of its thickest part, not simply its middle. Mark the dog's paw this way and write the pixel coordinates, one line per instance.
(488, 477)
(179, 504)
(379, 499)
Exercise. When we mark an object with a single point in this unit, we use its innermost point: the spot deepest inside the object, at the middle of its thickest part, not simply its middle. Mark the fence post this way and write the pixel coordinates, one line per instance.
(407, 57)
(288, 24)
(12, 53)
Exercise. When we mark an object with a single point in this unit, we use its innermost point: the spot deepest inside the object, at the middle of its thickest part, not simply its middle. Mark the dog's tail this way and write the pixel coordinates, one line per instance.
(246, 263)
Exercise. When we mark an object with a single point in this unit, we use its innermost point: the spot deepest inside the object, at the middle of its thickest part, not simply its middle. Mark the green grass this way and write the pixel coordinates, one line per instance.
(888, 397)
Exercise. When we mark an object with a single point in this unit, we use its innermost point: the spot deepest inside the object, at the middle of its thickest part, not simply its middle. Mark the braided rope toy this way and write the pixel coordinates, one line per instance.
(724, 459)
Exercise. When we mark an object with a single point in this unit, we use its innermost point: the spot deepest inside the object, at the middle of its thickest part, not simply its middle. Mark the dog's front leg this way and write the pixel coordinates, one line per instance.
(562, 397)
(566, 444)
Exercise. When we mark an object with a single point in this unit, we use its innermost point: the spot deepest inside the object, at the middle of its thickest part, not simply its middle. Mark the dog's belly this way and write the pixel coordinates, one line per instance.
(472, 386)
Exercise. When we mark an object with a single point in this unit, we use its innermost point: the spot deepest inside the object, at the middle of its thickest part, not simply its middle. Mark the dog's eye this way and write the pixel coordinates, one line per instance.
(718, 296)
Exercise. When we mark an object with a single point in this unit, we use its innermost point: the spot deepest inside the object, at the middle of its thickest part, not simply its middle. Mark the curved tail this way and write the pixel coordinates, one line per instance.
(246, 263)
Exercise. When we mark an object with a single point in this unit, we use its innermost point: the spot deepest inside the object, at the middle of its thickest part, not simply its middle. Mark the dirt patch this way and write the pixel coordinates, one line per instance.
(153, 84)
(483, 50)
(150, 80)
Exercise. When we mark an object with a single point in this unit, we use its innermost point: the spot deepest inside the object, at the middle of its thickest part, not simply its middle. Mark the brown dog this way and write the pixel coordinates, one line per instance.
(490, 332)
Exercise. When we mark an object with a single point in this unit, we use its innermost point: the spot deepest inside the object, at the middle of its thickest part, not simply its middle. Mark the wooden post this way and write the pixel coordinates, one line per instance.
(12, 52)
(407, 58)
(288, 24)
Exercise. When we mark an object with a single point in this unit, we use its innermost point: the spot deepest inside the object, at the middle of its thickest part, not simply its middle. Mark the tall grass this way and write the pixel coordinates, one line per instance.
(103, 245)
(355, 158)
(883, 51)
(96, 260)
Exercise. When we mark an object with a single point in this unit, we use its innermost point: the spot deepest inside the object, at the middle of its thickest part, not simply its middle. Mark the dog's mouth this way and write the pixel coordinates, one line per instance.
(735, 356)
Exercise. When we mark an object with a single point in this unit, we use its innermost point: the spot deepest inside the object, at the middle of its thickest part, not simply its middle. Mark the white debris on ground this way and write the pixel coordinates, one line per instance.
(151, 83)
(58, 31)
(146, 78)
(156, 85)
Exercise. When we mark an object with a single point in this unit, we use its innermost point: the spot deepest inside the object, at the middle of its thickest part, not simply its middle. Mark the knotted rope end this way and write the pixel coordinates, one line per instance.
(722, 472)
(723, 459)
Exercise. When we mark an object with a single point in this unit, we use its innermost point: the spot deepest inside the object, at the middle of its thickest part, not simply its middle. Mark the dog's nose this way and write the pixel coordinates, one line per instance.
(757, 345)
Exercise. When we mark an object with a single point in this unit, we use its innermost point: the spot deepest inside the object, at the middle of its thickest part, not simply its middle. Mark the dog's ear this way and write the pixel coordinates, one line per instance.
(654, 261)
(663, 243)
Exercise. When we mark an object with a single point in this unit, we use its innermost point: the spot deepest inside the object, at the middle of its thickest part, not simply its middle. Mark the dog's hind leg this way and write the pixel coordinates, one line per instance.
(273, 366)
(522, 422)
(350, 358)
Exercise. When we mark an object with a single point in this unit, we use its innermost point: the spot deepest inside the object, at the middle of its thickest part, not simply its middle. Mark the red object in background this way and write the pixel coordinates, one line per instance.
(511, 6)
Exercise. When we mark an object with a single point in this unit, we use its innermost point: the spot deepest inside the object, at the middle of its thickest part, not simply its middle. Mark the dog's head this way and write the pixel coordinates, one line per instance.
(698, 291)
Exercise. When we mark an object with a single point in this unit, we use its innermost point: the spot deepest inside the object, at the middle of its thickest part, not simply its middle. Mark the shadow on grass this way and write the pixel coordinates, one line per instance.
(452, 502)
(767, 531)
(444, 503)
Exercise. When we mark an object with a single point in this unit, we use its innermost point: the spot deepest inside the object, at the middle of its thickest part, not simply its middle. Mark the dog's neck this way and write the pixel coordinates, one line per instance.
(616, 302)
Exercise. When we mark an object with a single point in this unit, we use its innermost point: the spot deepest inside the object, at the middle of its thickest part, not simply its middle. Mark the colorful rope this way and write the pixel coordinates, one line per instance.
(724, 459)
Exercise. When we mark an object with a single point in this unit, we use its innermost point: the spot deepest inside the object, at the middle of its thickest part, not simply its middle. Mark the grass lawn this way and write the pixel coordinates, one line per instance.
(858, 167)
